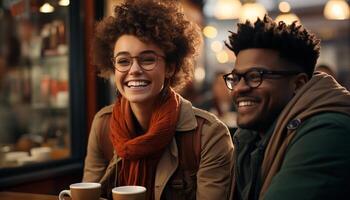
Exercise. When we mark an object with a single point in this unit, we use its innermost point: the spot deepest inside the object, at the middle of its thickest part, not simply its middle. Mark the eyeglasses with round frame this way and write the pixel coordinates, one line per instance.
(147, 60)
(254, 77)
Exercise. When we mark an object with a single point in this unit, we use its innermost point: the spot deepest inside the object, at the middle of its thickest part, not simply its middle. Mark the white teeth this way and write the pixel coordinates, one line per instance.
(137, 83)
(245, 103)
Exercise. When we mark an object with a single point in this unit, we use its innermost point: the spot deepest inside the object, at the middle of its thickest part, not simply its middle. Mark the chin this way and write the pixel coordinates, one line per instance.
(137, 99)
(256, 125)
(248, 124)
(244, 120)
(244, 125)
(141, 98)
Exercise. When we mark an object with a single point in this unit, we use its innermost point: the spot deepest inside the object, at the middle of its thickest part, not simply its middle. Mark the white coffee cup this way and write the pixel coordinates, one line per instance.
(82, 191)
(130, 192)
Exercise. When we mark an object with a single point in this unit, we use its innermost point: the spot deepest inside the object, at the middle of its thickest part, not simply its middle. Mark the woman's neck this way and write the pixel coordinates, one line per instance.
(143, 114)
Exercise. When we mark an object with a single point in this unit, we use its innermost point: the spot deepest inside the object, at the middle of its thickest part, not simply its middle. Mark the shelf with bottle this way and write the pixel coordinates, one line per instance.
(44, 108)
(49, 92)
(50, 83)
(51, 60)
(54, 41)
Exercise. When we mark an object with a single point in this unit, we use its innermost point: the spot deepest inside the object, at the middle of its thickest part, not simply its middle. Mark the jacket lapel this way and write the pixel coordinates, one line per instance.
(169, 161)
(166, 168)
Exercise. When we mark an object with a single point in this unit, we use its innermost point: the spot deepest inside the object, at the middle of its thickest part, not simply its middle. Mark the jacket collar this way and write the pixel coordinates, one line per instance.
(187, 120)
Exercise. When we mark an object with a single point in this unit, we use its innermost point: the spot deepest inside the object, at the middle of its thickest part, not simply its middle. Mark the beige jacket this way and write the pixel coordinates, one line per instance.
(214, 174)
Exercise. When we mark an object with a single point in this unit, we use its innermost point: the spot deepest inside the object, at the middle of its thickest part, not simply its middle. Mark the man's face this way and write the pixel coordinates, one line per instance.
(258, 107)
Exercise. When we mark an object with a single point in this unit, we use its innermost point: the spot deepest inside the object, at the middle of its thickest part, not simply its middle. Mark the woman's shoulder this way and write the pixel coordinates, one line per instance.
(214, 134)
(107, 110)
(101, 116)
(213, 129)
(210, 118)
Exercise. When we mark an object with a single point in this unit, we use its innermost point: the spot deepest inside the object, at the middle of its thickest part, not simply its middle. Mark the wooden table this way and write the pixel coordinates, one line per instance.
(26, 196)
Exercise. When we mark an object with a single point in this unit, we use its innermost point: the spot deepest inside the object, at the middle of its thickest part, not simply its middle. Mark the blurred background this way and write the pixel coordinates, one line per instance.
(49, 92)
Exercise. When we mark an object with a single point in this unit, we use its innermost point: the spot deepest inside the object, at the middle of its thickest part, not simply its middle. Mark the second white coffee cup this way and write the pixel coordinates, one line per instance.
(130, 192)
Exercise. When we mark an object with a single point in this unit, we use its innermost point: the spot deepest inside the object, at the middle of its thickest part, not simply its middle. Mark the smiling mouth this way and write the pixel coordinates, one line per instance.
(246, 103)
(137, 84)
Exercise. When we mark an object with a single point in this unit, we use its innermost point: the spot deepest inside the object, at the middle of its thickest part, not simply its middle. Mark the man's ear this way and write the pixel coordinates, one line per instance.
(300, 80)
(170, 70)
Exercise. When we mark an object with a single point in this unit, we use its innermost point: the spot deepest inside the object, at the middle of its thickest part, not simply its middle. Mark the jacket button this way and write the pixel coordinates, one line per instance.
(294, 124)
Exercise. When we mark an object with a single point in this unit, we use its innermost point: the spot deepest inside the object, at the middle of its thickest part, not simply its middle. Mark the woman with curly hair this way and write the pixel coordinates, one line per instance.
(150, 46)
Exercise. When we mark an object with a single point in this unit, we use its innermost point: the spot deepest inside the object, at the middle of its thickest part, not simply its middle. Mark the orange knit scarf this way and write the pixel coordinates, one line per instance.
(140, 153)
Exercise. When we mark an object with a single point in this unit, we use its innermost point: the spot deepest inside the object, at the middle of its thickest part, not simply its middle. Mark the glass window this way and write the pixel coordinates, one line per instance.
(34, 82)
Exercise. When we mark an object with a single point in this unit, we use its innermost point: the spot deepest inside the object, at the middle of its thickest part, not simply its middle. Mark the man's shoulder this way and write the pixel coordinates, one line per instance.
(328, 119)
(327, 127)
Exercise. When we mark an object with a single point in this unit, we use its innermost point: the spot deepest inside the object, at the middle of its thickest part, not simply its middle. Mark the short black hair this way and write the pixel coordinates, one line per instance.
(295, 44)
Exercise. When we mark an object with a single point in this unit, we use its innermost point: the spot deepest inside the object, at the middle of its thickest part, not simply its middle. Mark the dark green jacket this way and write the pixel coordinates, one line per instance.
(305, 154)
(317, 161)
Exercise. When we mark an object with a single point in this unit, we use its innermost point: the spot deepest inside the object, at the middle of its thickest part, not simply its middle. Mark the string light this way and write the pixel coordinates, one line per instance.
(252, 11)
(336, 10)
(47, 8)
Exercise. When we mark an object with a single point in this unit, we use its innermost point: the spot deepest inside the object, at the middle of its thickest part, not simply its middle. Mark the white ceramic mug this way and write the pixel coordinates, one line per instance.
(130, 192)
(82, 191)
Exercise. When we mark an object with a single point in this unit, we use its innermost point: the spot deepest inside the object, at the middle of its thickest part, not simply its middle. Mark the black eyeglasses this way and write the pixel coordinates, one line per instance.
(147, 60)
(253, 77)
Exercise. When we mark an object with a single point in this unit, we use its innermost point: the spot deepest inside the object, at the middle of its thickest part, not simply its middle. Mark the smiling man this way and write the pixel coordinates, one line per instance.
(293, 140)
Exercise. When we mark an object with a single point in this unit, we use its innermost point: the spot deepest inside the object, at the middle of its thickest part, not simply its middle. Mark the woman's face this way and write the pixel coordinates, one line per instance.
(139, 84)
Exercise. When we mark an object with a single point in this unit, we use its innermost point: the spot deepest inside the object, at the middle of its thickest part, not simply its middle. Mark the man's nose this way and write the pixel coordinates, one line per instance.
(241, 87)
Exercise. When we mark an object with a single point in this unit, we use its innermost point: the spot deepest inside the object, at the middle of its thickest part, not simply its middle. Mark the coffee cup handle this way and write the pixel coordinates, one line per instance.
(63, 193)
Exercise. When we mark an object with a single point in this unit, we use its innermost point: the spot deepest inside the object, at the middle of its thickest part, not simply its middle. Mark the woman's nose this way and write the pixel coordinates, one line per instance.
(135, 67)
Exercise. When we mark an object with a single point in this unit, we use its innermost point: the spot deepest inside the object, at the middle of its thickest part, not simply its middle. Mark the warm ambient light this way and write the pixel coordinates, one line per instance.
(336, 10)
(227, 9)
(216, 46)
(210, 32)
(251, 11)
(63, 3)
(199, 74)
(46, 8)
(286, 16)
(222, 57)
(284, 6)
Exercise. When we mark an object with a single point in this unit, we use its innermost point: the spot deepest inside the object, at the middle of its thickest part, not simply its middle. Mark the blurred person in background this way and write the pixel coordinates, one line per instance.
(149, 45)
(220, 101)
(294, 131)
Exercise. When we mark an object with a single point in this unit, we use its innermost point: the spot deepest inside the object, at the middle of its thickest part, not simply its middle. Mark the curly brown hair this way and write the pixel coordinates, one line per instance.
(157, 21)
(293, 42)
